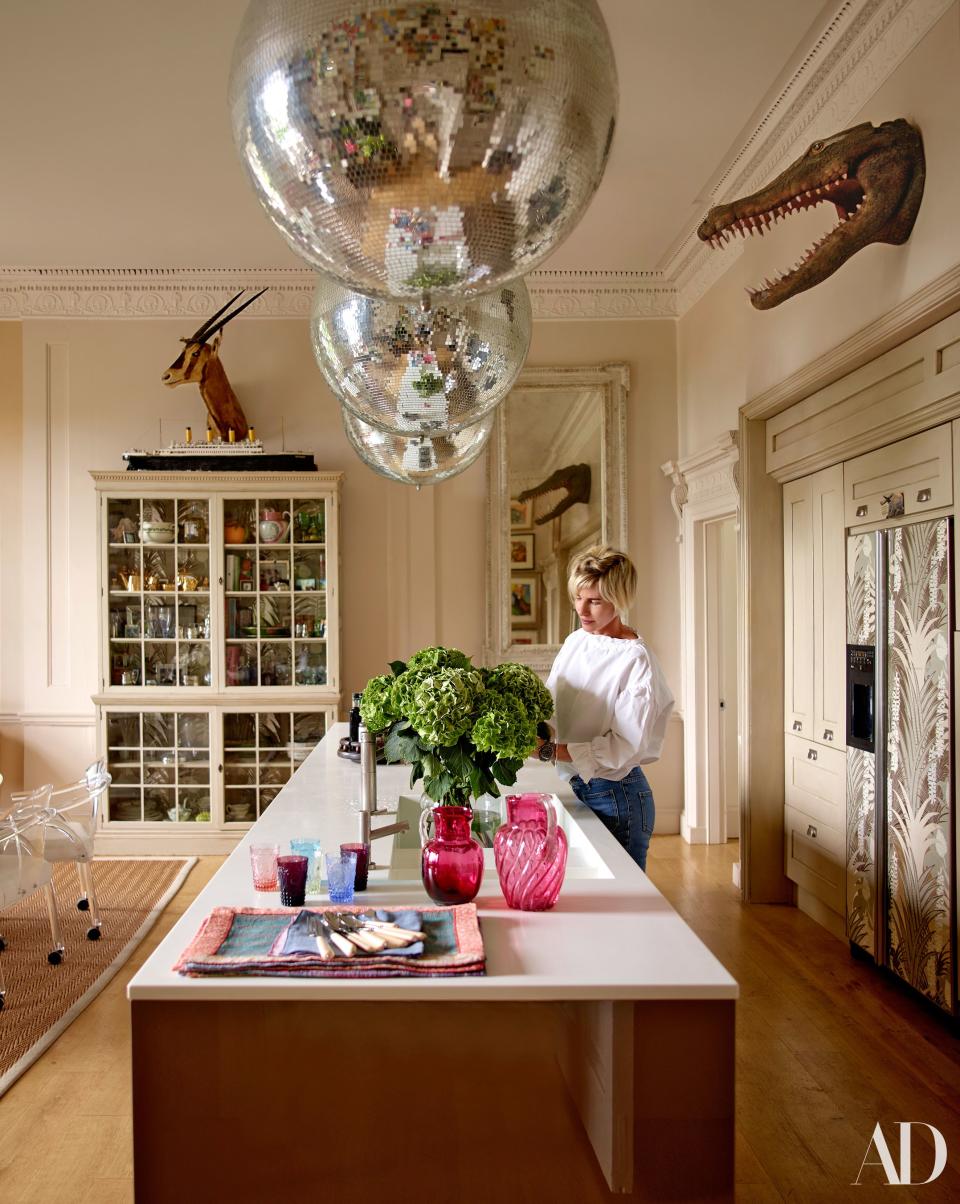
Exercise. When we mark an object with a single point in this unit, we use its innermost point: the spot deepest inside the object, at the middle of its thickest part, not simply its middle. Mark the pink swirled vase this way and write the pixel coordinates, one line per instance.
(530, 851)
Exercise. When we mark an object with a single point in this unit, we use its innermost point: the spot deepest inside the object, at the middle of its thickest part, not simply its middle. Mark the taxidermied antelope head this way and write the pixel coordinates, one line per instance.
(198, 363)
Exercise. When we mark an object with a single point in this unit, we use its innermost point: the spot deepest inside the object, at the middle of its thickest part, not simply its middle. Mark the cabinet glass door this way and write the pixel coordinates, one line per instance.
(275, 578)
(159, 762)
(261, 750)
(158, 566)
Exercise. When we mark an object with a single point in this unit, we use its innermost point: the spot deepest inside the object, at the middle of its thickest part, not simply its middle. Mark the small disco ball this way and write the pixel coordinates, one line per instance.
(424, 148)
(414, 371)
(419, 459)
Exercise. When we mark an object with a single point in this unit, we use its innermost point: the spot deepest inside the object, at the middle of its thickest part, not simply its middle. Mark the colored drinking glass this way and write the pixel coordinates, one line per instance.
(362, 852)
(341, 871)
(292, 879)
(313, 851)
(263, 862)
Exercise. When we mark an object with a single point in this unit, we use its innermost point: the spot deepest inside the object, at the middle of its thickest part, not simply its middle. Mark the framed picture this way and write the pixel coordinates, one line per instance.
(521, 550)
(521, 513)
(524, 601)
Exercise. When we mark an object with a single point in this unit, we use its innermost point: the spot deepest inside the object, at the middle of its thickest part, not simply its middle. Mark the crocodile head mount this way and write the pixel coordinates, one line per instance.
(575, 479)
(873, 175)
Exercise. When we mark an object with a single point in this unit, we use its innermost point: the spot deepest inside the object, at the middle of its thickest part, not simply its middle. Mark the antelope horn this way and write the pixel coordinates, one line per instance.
(203, 331)
(229, 318)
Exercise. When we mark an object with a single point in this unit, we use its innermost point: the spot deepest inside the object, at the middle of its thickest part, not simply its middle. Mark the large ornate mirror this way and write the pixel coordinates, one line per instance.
(556, 484)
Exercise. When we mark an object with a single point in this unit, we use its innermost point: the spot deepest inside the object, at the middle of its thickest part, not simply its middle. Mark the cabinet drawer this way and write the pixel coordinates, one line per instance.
(816, 779)
(814, 857)
(920, 467)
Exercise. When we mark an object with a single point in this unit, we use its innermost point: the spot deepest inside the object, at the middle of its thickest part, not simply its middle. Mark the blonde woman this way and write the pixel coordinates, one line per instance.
(612, 702)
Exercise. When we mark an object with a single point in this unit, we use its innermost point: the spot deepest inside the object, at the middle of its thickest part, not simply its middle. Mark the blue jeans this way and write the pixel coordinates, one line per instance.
(625, 808)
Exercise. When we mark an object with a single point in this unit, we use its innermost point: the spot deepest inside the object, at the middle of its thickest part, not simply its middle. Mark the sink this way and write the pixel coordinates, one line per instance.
(583, 861)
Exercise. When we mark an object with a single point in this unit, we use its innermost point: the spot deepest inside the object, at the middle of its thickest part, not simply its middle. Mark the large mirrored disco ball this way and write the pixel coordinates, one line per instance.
(425, 147)
(418, 459)
(410, 370)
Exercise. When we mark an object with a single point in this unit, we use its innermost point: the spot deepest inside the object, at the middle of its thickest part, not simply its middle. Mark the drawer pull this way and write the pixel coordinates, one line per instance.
(861, 512)
(811, 754)
(924, 495)
(797, 725)
(827, 734)
(811, 831)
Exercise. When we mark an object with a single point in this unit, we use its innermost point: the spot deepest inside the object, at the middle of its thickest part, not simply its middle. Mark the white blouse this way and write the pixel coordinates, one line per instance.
(612, 705)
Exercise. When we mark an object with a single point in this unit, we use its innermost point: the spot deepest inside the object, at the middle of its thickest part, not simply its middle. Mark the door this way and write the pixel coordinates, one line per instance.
(919, 804)
(720, 606)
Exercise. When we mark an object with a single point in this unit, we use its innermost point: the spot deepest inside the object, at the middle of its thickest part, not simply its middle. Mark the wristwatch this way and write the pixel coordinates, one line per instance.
(547, 751)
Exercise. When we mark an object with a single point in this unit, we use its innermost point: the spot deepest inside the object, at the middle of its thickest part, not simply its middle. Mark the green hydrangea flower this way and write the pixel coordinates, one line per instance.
(505, 727)
(376, 706)
(439, 658)
(524, 685)
(442, 706)
(402, 689)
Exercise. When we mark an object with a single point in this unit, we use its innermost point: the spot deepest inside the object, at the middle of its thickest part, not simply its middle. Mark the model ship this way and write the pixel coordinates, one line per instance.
(238, 455)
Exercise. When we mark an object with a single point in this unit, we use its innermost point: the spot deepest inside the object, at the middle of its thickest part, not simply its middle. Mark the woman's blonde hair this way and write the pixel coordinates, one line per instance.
(609, 571)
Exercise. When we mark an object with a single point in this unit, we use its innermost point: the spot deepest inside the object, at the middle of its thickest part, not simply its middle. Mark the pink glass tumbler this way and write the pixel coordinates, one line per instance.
(530, 852)
(263, 864)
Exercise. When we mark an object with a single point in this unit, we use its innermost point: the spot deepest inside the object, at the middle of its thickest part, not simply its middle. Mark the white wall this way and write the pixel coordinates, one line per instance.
(412, 563)
(729, 352)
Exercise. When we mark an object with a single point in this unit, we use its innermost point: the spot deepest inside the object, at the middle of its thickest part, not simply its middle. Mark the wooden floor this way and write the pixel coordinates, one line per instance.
(826, 1049)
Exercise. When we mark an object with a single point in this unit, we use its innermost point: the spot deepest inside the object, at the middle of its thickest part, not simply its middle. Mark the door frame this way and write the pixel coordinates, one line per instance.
(705, 490)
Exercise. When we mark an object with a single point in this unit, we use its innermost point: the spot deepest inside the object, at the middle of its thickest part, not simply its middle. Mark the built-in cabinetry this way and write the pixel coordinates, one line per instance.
(219, 647)
(814, 639)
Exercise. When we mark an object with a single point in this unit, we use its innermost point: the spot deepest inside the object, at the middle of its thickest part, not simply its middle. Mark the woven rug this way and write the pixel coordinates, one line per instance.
(42, 1000)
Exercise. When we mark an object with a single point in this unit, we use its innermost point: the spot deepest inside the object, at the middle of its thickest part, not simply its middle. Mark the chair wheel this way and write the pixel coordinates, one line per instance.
(1, 1003)
(93, 934)
(83, 905)
(3, 944)
(55, 958)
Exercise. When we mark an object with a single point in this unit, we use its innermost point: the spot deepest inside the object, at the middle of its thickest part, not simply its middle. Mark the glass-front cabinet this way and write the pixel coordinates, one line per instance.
(219, 642)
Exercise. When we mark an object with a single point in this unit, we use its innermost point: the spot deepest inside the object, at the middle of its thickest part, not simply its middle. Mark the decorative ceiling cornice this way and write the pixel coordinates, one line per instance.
(861, 43)
(195, 292)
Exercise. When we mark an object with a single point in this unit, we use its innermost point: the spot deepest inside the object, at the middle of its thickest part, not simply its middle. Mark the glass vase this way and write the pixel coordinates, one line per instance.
(530, 853)
(451, 862)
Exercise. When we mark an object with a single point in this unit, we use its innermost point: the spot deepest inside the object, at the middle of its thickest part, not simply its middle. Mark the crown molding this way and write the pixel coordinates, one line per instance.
(195, 292)
(830, 80)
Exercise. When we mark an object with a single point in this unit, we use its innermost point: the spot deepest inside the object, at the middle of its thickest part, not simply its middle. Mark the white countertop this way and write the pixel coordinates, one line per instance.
(612, 935)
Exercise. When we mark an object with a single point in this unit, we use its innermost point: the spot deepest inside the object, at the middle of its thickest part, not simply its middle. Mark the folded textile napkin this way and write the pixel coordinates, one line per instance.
(250, 940)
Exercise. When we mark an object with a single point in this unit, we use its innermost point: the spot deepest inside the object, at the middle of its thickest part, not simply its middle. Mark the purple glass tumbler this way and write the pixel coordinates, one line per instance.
(292, 879)
(363, 863)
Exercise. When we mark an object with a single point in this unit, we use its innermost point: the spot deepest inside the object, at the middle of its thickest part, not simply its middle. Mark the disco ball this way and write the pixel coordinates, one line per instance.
(420, 371)
(429, 147)
(420, 459)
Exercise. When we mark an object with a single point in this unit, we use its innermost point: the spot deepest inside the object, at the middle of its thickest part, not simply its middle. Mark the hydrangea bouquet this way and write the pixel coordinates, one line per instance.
(462, 729)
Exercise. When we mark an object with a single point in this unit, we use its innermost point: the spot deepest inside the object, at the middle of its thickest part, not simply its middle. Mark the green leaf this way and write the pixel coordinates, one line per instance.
(458, 760)
(401, 745)
(398, 667)
(505, 771)
(417, 773)
(438, 786)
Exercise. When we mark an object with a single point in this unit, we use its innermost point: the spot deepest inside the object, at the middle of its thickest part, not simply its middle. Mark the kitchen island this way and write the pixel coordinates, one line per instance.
(593, 1061)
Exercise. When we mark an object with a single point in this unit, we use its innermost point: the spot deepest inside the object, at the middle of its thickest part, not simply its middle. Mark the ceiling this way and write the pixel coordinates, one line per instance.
(116, 149)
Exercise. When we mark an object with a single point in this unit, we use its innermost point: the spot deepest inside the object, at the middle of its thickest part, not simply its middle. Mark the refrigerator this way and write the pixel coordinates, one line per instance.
(901, 814)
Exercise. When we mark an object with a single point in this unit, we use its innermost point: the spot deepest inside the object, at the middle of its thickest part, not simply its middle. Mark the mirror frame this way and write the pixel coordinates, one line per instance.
(612, 384)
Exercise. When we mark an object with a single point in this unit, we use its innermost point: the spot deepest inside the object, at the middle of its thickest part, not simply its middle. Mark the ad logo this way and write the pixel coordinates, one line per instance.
(900, 1176)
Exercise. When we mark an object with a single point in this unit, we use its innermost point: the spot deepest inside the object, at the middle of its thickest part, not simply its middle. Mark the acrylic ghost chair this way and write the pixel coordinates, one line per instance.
(24, 870)
(70, 817)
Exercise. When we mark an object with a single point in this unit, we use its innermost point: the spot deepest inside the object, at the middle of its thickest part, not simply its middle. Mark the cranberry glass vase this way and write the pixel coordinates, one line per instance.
(452, 860)
(530, 852)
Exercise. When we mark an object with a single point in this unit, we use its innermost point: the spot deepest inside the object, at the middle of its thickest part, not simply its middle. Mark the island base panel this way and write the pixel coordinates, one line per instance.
(460, 1102)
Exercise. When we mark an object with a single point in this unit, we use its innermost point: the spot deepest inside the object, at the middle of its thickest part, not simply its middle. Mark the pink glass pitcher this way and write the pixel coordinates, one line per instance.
(451, 862)
(531, 852)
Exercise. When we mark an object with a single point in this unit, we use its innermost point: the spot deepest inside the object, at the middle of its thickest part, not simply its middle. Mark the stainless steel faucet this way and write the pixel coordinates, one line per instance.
(368, 794)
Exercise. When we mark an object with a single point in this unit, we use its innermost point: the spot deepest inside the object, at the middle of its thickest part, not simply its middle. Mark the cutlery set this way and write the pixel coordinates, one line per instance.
(348, 934)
